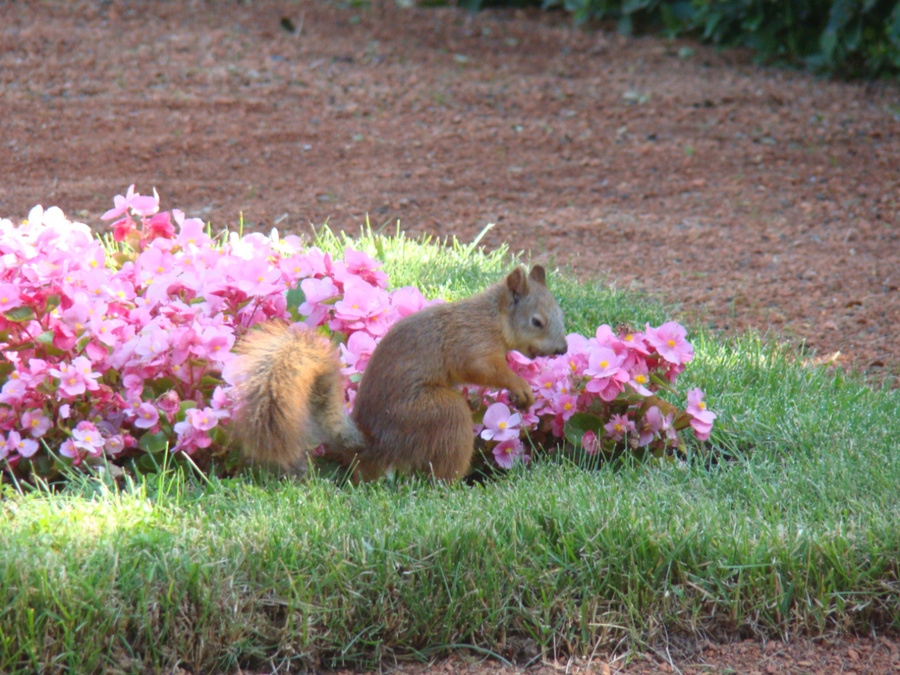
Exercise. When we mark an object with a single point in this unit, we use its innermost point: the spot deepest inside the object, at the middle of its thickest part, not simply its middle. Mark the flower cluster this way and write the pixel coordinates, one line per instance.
(118, 346)
(601, 394)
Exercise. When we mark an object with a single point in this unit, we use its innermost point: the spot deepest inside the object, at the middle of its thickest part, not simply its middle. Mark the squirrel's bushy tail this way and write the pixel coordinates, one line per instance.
(291, 398)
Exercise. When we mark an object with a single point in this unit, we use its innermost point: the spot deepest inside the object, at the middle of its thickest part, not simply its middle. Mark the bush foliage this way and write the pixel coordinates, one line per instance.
(847, 38)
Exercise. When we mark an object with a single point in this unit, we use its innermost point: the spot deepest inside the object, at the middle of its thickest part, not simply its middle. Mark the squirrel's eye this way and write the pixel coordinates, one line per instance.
(536, 322)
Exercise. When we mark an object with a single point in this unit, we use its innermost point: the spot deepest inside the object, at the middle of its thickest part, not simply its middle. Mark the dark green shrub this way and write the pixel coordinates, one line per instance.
(846, 37)
(839, 37)
(861, 38)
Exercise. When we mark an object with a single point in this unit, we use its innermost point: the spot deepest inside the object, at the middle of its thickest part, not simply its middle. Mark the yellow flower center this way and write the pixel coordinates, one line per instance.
(604, 364)
(671, 343)
(502, 425)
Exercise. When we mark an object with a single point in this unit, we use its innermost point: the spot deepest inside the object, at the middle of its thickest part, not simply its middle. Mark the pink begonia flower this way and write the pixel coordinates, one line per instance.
(639, 378)
(607, 375)
(618, 426)
(192, 432)
(318, 292)
(605, 336)
(191, 231)
(221, 403)
(7, 417)
(76, 377)
(114, 445)
(294, 267)
(656, 425)
(122, 228)
(565, 405)
(256, 276)
(159, 226)
(146, 416)
(144, 206)
(701, 417)
(9, 297)
(134, 385)
(169, 403)
(635, 342)
(508, 452)
(361, 265)
(119, 291)
(193, 439)
(320, 264)
(67, 449)
(14, 389)
(500, 424)
(106, 330)
(153, 263)
(363, 307)
(522, 365)
(603, 362)
(153, 346)
(215, 342)
(407, 300)
(552, 380)
(36, 423)
(356, 353)
(25, 447)
(668, 340)
(590, 442)
(202, 419)
(576, 358)
(86, 436)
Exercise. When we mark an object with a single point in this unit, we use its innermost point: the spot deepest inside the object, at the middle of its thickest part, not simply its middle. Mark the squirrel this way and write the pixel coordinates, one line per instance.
(407, 416)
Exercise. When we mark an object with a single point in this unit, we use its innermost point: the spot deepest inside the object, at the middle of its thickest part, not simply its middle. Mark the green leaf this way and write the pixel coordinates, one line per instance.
(295, 297)
(52, 302)
(579, 424)
(45, 338)
(153, 443)
(20, 314)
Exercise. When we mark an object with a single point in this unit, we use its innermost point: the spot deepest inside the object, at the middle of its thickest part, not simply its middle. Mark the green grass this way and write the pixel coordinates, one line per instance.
(794, 533)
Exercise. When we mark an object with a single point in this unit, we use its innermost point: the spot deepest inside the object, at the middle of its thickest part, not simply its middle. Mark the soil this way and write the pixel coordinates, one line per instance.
(752, 197)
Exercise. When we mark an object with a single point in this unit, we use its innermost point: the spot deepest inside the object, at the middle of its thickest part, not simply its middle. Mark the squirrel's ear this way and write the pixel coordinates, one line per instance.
(538, 274)
(517, 284)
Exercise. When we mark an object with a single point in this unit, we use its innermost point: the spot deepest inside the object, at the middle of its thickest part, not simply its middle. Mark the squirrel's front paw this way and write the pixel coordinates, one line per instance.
(522, 396)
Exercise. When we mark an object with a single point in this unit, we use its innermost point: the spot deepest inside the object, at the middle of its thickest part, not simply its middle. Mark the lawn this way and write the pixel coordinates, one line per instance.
(784, 523)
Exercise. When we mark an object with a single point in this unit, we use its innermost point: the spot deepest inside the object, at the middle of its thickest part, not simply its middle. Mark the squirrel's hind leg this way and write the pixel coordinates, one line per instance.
(444, 440)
